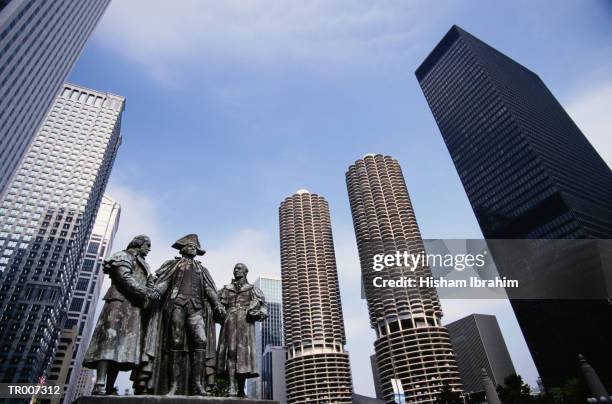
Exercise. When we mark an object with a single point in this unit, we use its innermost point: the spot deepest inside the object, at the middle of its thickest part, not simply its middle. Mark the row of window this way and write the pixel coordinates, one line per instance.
(91, 99)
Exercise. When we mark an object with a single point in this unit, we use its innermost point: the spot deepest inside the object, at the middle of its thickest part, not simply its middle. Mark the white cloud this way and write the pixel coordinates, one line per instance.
(591, 112)
(257, 249)
(138, 216)
(140, 213)
(161, 35)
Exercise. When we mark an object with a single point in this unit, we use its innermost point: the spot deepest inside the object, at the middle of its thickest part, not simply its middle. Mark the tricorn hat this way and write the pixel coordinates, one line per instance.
(189, 239)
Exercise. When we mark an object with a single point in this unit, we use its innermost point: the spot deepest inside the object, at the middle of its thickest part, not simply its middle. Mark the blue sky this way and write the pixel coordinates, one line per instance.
(234, 105)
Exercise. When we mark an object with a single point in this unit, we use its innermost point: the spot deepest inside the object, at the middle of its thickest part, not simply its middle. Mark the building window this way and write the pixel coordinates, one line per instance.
(71, 322)
(88, 265)
(82, 284)
(93, 248)
(76, 304)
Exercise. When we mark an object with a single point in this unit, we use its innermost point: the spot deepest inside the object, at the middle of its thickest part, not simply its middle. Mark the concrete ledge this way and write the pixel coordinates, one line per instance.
(168, 400)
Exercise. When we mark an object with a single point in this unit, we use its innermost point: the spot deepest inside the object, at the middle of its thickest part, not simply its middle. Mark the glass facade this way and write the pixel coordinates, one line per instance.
(273, 374)
(75, 339)
(270, 331)
(39, 43)
(479, 344)
(46, 218)
(529, 173)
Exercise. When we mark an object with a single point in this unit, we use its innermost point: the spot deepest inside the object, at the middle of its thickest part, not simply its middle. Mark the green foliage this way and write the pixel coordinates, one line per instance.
(221, 388)
(573, 391)
(565, 394)
(474, 398)
(515, 391)
(448, 396)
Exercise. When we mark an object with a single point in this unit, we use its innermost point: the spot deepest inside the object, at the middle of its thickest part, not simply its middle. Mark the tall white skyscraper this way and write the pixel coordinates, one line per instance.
(270, 331)
(317, 369)
(46, 218)
(77, 330)
(39, 43)
(413, 352)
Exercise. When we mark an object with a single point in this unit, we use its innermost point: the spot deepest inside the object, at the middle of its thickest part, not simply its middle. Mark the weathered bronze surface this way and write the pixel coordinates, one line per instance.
(117, 339)
(245, 304)
(180, 342)
(162, 326)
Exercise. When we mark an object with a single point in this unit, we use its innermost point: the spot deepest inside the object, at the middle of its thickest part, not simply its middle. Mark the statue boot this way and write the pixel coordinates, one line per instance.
(100, 385)
(210, 381)
(99, 389)
(210, 384)
(174, 358)
(241, 381)
(198, 359)
(105, 379)
(233, 386)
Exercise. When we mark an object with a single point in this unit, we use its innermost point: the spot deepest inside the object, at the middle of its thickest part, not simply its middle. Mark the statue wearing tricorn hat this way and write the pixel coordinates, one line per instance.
(180, 344)
(189, 240)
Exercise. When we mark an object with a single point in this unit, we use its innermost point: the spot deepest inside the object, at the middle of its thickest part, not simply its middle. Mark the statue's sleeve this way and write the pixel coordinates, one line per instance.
(220, 307)
(164, 276)
(118, 259)
(122, 274)
(212, 296)
(258, 309)
(222, 296)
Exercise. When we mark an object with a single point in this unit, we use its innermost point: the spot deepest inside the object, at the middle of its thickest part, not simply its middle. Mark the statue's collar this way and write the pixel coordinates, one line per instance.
(140, 259)
(143, 262)
(132, 251)
(187, 259)
(245, 286)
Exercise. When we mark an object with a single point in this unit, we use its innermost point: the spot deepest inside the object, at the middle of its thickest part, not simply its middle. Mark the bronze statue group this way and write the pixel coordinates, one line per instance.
(161, 326)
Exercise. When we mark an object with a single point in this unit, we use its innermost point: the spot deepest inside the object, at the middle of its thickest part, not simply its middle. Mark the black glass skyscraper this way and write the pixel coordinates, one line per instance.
(529, 173)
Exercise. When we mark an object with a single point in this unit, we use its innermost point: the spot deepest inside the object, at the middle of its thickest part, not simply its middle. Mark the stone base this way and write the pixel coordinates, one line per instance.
(168, 400)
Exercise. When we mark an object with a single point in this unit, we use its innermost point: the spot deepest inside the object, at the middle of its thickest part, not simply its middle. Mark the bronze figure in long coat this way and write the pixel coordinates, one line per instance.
(237, 354)
(180, 348)
(118, 337)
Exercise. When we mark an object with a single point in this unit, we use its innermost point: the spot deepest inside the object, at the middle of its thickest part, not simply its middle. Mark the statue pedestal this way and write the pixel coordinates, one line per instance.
(168, 400)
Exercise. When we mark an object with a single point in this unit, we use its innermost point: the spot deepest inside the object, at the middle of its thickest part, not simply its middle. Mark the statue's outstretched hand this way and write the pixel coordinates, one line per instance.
(221, 313)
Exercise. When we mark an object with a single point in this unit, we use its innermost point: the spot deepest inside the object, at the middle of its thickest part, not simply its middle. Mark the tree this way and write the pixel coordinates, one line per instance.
(573, 391)
(221, 387)
(515, 391)
(474, 398)
(448, 396)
